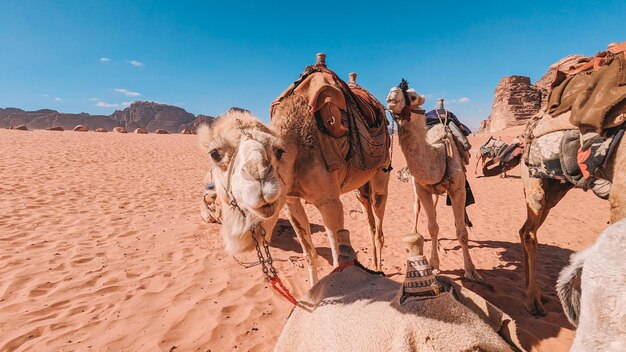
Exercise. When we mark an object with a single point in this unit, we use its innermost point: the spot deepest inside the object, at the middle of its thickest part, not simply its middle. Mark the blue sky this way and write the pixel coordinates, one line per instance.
(96, 56)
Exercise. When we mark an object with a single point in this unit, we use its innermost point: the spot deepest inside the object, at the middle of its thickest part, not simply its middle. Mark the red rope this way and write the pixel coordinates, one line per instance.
(278, 286)
(343, 266)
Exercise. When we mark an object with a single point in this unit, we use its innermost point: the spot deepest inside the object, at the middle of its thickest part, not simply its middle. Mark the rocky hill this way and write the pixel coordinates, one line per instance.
(140, 114)
(516, 100)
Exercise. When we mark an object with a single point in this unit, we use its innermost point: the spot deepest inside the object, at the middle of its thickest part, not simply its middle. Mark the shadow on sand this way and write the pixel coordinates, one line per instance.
(284, 238)
(507, 279)
(509, 287)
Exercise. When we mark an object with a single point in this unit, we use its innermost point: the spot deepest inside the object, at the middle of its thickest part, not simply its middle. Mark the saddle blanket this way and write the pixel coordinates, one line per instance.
(560, 156)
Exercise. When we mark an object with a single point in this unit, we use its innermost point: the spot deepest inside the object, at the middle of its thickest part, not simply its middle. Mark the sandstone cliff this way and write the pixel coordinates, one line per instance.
(141, 114)
(152, 116)
(516, 100)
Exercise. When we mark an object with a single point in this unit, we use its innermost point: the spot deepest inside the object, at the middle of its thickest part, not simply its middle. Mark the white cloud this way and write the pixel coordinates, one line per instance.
(46, 95)
(461, 100)
(126, 103)
(105, 59)
(102, 104)
(95, 99)
(127, 92)
(136, 63)
(57, 99)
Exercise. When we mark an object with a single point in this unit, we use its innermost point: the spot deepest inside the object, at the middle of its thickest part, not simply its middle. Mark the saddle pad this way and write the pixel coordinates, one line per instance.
(559, 156)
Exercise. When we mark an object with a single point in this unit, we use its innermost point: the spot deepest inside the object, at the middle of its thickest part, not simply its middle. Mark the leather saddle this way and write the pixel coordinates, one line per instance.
(351, 122)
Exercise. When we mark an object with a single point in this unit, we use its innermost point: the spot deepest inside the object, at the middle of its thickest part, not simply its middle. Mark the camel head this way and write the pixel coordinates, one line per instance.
(397, 100)
(249, 168)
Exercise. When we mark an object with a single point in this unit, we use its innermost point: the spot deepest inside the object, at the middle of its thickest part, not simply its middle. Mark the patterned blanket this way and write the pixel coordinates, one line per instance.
(560, 156)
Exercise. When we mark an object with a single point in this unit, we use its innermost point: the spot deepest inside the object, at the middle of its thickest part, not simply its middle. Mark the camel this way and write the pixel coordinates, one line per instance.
(598, 91)
(210, 208)
(489, 150)
(502, 157)
(352, 309)
(543, 194)
(437, 167)
(598, 308)
(258, 169)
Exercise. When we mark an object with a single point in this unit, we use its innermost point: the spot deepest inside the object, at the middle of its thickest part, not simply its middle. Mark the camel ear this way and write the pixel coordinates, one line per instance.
(416, 98)
(204, 137)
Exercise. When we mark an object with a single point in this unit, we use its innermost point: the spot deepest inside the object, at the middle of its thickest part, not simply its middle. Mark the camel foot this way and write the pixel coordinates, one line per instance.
(472, 275)
(535, 307)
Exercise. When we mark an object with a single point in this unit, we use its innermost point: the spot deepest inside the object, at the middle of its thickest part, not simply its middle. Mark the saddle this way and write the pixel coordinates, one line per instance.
(594, 91)
(351, 122)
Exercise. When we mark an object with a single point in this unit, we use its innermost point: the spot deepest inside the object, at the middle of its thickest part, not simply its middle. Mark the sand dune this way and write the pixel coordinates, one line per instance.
(102, 249)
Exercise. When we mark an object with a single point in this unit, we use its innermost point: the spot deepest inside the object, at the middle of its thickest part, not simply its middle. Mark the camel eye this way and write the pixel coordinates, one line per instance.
(215, 154)
(279, 153)
(413, 98)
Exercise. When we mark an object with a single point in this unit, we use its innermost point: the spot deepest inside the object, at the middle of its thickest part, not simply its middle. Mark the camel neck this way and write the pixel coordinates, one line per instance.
(423, 155)
(414, 131)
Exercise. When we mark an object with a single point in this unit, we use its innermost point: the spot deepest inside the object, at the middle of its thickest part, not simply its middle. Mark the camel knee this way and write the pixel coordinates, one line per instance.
(462, 236)
(433, 229)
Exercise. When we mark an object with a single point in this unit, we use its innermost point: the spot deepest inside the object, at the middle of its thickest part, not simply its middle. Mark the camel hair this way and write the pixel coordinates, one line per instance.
(437, 167)
(258, 169)
(542, 194)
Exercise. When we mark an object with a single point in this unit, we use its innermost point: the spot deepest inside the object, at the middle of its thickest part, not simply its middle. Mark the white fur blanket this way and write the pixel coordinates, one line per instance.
(352, 310)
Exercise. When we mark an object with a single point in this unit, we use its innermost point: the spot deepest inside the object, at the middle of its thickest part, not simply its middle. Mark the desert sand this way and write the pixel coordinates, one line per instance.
(102, 248)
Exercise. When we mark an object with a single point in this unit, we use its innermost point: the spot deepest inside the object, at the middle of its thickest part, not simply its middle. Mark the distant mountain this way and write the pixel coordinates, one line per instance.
(140, 114)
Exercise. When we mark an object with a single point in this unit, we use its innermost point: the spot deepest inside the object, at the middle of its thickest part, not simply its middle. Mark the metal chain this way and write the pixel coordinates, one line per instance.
(266, 261)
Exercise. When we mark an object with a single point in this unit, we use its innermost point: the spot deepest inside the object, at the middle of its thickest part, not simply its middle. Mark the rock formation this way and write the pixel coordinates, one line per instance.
(120, 130)
(161, 131)
(193, 125)
(100, 130)
(81, 128)
(140, 131)
(140, 114)
(152, 116)
(516, 100)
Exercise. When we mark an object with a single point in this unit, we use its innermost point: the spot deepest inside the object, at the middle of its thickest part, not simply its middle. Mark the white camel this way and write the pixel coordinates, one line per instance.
(598, 308)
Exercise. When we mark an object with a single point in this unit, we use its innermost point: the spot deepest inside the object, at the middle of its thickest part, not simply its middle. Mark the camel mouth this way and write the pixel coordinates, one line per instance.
(391, 105)
(266, 210)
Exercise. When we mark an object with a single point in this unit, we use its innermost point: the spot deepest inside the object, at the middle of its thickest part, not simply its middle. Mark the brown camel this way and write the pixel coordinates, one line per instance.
(258, 169)
(542, 194)
(437, 167)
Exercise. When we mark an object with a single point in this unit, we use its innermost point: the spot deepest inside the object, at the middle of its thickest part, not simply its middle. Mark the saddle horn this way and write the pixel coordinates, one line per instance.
(321, 59)
(352, 77)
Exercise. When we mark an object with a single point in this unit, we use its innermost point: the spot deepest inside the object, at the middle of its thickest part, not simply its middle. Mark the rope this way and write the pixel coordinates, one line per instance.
(267, 266)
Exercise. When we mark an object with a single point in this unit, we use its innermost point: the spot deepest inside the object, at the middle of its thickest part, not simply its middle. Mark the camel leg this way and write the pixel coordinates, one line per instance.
(300, 224)
(379, 186)
(617, 197)
(332, 215)
(364, 196)
(481, 160)
(457, 196)
(426, 198)
(541, 196)
(416, 206)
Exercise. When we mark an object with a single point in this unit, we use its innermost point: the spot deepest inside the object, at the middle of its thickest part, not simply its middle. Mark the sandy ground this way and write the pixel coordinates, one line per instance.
(102, 249)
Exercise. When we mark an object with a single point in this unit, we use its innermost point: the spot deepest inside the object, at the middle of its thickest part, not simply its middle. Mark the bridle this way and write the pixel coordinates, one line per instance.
(405, 113)
(256, 229)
